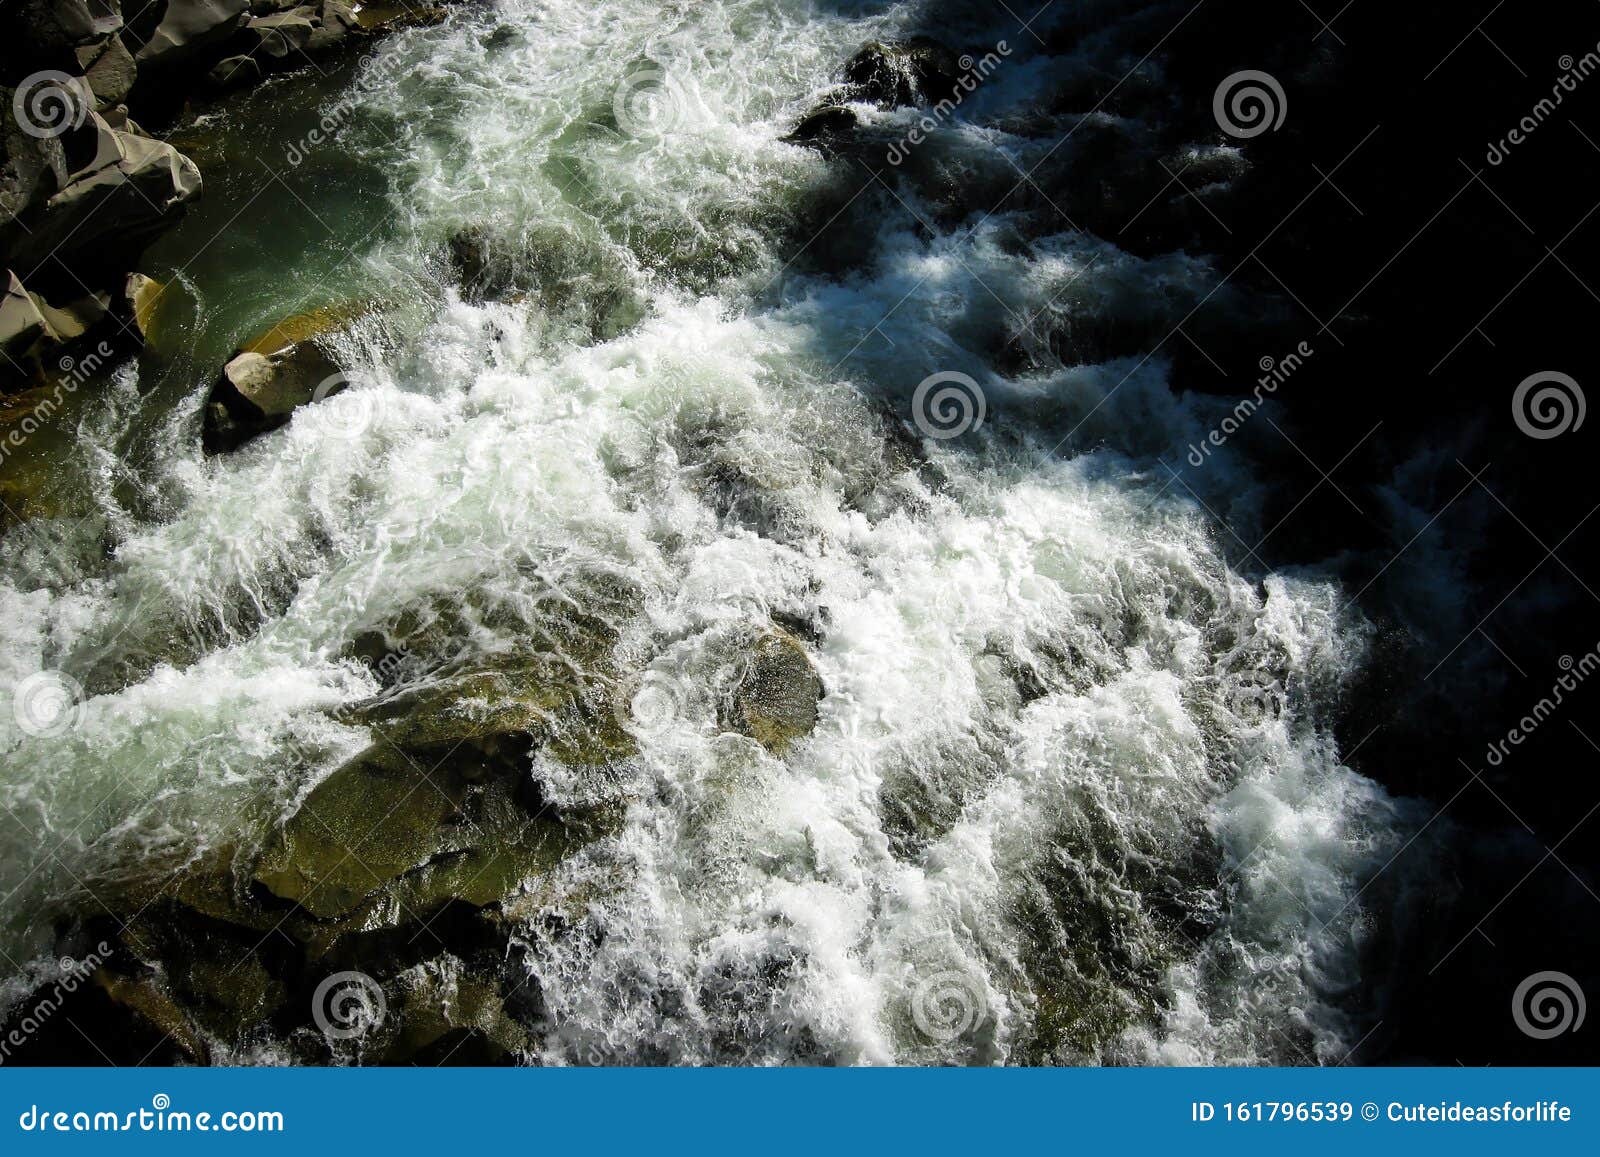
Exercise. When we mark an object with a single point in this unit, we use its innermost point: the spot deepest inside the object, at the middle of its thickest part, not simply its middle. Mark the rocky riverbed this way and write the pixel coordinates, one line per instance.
(486, 582)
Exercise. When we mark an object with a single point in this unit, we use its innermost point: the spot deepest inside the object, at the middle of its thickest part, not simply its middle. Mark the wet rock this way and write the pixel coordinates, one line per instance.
(234, 72)
(259, 392)
(141, 299)
(118, 192)
(189, 30)
(825, 125)
(441, 1012)
(775, 700)
(272, 375)
(109, 70)
(899, 73)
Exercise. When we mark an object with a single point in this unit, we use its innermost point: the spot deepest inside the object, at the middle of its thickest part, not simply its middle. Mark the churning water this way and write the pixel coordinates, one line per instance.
(1073, 794)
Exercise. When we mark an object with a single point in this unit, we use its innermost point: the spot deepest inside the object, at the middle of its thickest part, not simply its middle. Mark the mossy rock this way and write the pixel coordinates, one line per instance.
(775, 700)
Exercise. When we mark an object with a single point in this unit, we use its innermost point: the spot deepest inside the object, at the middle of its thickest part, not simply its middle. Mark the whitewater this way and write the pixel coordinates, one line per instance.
(1073, 795)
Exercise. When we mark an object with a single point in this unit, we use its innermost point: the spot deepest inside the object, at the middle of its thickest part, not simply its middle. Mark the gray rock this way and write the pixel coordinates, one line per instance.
(190, 29)
(48, 27)
(22, 324)
(234, 72)
(109, 69)
(122, 191)
(259, 390)
(279, 37)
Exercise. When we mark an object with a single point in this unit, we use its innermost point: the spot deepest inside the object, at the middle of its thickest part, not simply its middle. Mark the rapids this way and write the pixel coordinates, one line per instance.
(1073, 795)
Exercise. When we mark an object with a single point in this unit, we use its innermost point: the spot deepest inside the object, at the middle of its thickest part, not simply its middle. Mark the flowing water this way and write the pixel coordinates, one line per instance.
(1073, 794)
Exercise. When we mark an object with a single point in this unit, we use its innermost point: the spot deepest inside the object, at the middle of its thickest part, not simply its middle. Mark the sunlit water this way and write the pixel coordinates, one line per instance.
(1073, 794)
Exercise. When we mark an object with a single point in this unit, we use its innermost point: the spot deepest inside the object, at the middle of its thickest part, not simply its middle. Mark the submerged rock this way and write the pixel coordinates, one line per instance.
(775, 700)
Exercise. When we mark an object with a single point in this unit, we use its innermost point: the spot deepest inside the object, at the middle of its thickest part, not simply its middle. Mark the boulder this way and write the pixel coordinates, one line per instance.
(827, 124)
(191, 29)
(109, 70)
(141, 301)
(30, 327)
(234, 72)
(274, 40)
(119, 192)
(898, 73)
(23, 328)
(47, 28)
(259, 392)
(775, 699)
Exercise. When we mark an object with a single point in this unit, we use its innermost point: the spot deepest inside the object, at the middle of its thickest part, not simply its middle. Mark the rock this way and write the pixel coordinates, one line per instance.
(141, 298)
(259, 392)
(46, 28)
(775, 700)
(234, 72)
(829, 123)
(898, 73)
(121, 190)
(393, 17)
(109, 69)
(191, 29)
(22, 325)
(30, 326)
(274, 39)
(272, 375)
(442, 1012)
